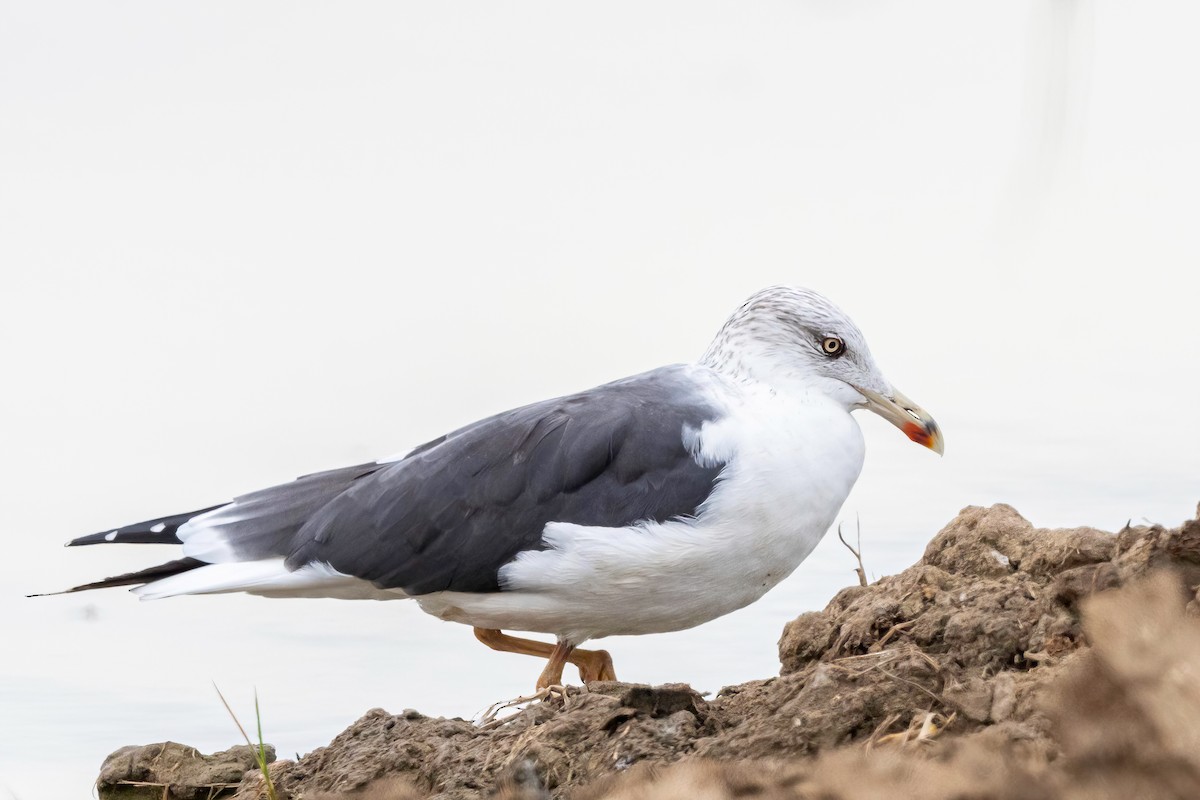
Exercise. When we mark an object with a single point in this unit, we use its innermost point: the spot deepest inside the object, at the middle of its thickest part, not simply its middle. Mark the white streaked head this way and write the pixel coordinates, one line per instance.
(794, 339)
(785, 333)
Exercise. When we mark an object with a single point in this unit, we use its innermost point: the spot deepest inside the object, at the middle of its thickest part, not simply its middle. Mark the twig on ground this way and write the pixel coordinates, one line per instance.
(913, 684)
(880, 657)
(859, 570)
(923, 727)
(899, 627)
(874, 738)
(490, 718)
(930, 728)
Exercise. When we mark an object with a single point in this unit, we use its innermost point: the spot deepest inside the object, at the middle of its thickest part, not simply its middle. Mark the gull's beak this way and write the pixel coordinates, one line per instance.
(907, 416)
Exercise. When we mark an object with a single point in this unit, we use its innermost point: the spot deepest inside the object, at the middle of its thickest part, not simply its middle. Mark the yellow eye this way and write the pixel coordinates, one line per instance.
(832, 346)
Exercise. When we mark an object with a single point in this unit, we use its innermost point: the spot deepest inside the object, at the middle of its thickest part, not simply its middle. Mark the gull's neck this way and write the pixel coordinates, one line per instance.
(741, 354)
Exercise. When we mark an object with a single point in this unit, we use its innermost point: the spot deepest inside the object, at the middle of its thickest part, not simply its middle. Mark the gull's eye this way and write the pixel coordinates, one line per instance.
(832, 346)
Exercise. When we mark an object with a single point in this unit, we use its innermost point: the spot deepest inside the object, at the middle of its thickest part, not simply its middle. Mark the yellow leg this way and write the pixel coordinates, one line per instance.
(594, 665)
(552, 674)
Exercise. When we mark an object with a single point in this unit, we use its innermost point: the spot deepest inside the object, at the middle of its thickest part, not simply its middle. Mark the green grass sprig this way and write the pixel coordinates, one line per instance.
(260, 753)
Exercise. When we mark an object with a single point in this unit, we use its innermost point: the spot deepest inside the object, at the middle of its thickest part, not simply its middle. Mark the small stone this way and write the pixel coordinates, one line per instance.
(1004, 697)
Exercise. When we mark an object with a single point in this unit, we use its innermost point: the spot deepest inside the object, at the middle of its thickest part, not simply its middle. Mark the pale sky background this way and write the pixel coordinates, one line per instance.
(241, 241)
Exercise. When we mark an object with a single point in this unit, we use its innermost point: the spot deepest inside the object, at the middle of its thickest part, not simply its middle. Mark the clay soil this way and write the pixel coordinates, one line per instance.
(1009, 662)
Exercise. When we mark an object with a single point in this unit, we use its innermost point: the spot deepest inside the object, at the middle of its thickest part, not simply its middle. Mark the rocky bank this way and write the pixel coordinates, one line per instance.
(1009, 662)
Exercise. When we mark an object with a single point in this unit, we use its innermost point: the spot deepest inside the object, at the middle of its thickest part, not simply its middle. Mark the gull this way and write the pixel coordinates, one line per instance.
(650, 504)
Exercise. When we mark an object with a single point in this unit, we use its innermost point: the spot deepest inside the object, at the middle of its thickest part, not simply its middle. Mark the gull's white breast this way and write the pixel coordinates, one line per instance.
(790, 463)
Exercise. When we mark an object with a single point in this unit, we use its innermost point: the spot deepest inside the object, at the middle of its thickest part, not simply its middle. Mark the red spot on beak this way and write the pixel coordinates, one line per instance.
(918, 433)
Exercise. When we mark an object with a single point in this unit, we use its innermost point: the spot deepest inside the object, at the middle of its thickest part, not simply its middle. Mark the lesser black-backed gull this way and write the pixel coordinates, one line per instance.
(650, 504)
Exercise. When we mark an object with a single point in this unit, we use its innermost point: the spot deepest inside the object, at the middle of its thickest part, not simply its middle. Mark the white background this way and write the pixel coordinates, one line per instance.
(245, 241)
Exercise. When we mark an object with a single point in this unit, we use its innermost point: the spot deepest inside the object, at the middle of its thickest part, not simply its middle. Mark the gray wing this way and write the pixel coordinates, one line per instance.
(451, 513)
(256, 525)
(264, 524)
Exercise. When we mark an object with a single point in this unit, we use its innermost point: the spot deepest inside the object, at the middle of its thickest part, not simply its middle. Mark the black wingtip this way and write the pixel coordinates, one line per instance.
(161, 530)
(93, 538)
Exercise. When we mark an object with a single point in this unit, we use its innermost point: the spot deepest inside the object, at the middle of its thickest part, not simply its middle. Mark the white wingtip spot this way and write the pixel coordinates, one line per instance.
(110, 536)
(159, 528)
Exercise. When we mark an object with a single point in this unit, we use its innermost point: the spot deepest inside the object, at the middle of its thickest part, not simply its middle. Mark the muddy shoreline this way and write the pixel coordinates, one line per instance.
(1009, 662)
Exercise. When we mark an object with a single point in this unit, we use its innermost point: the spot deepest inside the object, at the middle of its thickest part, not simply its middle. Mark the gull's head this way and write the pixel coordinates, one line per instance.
(793, 339)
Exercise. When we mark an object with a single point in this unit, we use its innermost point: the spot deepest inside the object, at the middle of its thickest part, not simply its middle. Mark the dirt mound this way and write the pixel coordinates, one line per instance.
(173, 771)
(968, 674)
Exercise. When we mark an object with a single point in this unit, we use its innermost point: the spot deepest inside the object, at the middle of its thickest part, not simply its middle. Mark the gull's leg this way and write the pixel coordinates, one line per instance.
(552, 674)
(594, 665)
(499, 640)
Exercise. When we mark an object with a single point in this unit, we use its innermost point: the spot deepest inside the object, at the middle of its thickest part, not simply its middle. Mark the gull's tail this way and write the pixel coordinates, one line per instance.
(240, 546)
(161, 530)
(167, 570)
